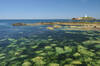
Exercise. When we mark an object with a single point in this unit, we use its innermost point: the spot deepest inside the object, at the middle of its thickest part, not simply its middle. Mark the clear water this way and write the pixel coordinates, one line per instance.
(38, 46)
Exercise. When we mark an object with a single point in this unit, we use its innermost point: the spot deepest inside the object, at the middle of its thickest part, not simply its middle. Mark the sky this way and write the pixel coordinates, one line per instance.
(48, 9)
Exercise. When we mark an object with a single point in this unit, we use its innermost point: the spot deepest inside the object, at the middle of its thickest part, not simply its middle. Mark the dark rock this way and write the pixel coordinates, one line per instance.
(19, 24)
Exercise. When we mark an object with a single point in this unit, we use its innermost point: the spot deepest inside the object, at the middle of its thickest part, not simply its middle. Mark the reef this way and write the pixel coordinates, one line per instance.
(75, 25)
(19, 24)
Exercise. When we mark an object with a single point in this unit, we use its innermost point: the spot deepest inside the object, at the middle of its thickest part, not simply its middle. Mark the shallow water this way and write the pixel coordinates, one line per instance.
(38, 46)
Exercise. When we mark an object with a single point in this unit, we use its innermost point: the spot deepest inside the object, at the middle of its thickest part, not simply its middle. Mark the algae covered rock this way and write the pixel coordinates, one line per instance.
(50, 53)
(67, 49)
(53, 45)
(43, 54)
(98, 53)
(97, 46)
(57, 26)
(2, 40)
(2, 56)
(27, 63)
(50, 39)
(14, 63)
(82, 50)
(12, 40)
(88, 59)
(38, 51)
(34, 47)
(18, 53)
(48, 47)
(67, 60)
(98, 61)
(12, 58)
(50, 28)
(0, 48)
(38, 61)
(91, 42)
(11, 45)
(2, 63)
(59, 50)
(23, 56)
(77, 62)
(76, 55)
(53, 64)
(69, 65)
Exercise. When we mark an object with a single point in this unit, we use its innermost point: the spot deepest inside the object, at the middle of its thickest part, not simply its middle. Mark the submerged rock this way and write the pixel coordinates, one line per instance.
(76, 55)
(53, 45)
(76, 62)
(97, 46)
(59, 50)
(2, 54)
(50, 28)
(48, 47)
(38, 61)
(67, 49)
(83, 51)
(53, 64)
(19, 24)
(57, 26)
(69, 65)
(27, 63)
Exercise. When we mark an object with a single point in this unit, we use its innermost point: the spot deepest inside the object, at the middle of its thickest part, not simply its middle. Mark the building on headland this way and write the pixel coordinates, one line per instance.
(84, 18)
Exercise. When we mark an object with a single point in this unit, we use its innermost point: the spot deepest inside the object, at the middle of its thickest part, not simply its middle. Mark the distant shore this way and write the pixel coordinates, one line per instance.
(59, 23)
(82, 25)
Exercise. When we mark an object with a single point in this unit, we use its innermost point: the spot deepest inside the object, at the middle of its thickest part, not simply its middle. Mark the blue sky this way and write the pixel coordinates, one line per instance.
(48, 9)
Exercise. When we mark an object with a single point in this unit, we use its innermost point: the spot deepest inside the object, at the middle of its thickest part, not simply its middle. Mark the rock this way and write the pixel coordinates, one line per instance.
(38, 61)
(57, 26)
(50, 28)
(59, 50)
(26, 63)
(54, 64)
(19, 24)
(76, 62)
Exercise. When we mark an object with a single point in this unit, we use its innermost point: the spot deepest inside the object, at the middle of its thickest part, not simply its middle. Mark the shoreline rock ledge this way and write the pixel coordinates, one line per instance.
(19, 24)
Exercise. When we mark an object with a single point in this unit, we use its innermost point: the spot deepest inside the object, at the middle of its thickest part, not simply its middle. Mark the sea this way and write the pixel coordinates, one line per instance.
(39, 46)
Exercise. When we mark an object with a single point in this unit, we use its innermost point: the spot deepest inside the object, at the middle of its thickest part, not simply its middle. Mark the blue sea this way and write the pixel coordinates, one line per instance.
(39, 46)
(7, 30)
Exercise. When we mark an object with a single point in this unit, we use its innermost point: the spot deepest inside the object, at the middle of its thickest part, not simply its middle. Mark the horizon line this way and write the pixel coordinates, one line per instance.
(36, 18)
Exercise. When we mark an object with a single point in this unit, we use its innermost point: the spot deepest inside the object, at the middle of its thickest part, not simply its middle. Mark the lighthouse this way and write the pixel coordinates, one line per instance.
(85, 15)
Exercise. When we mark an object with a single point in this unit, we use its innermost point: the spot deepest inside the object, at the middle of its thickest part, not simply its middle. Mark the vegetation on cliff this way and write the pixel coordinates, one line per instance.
(84, 18)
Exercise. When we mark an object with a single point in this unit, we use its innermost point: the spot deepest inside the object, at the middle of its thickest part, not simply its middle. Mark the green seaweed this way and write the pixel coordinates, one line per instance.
(12, 40)
(69, 65)
(53, 64)
(48, 47)
(67, 49)
(38, 61)
(26, 63)
(59, 50)
(82, 50)
(76, 62)
(53, 48)
(97, 46)
(76, 55)
(53, 45)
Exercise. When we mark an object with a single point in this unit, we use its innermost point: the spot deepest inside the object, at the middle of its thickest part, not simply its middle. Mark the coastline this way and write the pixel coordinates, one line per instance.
(72, 25)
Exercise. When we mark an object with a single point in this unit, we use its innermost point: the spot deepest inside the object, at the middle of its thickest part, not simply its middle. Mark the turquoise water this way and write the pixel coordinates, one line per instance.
(38, 46)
